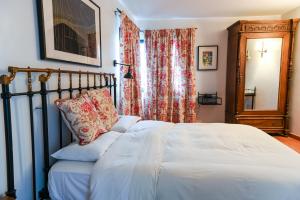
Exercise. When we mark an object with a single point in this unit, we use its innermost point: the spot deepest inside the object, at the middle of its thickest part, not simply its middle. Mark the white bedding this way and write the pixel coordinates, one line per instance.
(69, 180)
(164, 161)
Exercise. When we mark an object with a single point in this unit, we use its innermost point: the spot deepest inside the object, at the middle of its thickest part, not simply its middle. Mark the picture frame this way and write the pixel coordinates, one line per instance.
(70, 31)
(207, 58)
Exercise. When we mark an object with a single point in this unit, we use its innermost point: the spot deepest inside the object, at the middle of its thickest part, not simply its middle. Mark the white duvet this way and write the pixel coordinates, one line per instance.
(165, 161)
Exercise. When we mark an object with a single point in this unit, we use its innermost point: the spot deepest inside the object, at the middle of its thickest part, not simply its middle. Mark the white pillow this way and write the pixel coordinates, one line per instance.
(149, 124)
(90, 152)
(125, 122)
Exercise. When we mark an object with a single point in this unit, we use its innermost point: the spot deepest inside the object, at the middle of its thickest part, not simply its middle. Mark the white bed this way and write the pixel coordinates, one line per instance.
(70, 180)
(164, 161)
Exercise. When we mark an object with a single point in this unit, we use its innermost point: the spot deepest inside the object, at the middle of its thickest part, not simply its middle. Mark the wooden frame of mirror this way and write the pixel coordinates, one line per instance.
(282, 75)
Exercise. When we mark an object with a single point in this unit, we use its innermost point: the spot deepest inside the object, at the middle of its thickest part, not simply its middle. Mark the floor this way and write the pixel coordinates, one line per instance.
(291, 142)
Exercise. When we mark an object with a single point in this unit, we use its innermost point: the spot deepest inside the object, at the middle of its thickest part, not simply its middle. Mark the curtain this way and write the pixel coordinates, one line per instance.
(171, 93)
(130, 90)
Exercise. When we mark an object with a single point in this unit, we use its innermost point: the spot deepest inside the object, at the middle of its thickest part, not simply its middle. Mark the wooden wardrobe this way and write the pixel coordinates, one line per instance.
(259, 66)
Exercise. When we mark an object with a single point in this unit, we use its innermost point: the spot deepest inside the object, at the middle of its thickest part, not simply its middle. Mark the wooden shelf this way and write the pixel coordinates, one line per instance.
(210, 104)
(209, 99)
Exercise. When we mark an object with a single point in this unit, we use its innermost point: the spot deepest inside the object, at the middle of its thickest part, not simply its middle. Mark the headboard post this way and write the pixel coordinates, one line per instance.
(115, 91)
(44, 194)
(32, 132)
(6, 96)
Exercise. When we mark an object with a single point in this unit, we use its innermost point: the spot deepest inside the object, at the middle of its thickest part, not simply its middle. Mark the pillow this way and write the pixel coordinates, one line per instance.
(149, 124)
(104, 104)
(81, 117)
(125, 122)
(90, 152)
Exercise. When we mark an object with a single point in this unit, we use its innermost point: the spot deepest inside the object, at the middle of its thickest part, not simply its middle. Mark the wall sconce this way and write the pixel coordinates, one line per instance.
(263, 50)
(128, 75)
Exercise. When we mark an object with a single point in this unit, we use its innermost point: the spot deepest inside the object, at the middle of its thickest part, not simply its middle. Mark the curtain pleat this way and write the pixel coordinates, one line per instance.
(130, 89)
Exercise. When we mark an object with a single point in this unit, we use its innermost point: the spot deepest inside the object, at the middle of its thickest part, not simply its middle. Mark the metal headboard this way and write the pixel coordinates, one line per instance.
(100, 80)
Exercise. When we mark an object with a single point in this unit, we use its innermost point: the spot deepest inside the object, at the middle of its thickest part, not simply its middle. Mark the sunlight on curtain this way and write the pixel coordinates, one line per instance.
(143, 69)
(176, 72)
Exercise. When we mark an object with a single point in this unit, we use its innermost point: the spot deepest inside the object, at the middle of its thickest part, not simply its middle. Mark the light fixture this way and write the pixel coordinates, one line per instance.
(248, 57)
(263, 50)
(128, 75)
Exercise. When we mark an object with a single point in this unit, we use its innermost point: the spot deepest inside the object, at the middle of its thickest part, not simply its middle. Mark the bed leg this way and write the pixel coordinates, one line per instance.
(44, 194)
(6, 96)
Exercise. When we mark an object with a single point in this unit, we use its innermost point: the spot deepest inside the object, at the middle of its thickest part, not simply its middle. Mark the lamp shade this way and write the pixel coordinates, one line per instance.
(128, 75)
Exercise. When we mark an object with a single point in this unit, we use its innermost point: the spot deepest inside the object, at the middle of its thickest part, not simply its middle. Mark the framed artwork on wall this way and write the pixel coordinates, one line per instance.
(70, 31)
(207, 57)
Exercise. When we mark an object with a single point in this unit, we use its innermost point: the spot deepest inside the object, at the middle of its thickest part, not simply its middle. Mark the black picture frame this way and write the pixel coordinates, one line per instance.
(212, 54)
(44, 37)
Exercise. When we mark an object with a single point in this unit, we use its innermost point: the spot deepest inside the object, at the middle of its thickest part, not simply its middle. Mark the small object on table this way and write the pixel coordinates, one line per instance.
(250, 95)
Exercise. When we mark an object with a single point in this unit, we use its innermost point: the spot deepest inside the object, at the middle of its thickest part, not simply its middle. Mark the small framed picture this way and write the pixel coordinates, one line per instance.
(207, 58)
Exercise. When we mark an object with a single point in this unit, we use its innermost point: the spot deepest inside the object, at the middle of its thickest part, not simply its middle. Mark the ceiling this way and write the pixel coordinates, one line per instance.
(166, 9)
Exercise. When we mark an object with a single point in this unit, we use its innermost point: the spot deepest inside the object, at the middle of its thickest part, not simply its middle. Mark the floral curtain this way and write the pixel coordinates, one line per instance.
(130, 90)
(171, 94)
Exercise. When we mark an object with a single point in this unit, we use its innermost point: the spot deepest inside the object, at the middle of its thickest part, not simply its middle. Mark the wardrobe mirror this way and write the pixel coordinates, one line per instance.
(263, 60)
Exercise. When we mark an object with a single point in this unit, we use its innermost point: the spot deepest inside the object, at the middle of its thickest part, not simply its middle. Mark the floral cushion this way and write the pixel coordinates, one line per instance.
(81, 117)
(104, 104)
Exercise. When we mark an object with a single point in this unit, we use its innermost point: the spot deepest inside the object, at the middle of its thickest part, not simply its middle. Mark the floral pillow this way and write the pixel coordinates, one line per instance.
(104, 104)
(81, 117)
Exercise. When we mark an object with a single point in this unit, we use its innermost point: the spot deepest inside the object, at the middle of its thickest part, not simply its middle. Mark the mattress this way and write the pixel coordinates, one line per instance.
(70, 180)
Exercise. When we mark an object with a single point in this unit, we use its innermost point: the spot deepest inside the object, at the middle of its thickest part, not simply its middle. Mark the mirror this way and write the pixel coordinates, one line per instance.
(263, 60)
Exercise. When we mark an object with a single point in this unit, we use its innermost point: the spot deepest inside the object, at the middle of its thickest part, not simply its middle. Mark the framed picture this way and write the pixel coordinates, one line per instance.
(70, 30)
(207, 57)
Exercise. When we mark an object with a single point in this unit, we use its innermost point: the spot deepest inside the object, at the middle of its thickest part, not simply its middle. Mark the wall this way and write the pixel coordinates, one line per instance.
(210, 31)
(295, 85)
(19, 46)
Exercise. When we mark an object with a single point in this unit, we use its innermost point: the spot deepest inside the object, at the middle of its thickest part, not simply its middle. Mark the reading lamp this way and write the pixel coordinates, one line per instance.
(128, 75)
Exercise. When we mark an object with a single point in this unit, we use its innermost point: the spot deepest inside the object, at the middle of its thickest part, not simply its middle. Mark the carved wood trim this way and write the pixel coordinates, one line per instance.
(263, 28)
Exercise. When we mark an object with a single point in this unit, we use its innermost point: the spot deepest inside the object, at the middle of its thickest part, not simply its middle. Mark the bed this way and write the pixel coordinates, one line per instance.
(152, 160)
(160, 160)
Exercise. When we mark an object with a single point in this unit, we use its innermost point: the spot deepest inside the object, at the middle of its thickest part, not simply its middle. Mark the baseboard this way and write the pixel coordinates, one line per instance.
(294, 136)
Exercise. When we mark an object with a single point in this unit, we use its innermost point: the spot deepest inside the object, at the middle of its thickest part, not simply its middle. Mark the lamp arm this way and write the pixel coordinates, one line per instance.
(115, 63)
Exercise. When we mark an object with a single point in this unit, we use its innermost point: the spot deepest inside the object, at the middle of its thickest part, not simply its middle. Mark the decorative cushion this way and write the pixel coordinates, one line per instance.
(104, 104)
(81, 117)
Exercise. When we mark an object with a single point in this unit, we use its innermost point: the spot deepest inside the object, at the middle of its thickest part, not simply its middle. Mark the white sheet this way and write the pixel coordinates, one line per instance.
(69, 180)
(164, 161)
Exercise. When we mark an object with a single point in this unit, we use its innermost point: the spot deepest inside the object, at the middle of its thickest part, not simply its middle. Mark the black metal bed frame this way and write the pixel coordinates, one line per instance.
(44, 75)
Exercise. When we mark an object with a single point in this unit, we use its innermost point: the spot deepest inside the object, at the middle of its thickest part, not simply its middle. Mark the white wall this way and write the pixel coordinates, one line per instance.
(210, 31)
(295, 86)
(19, 46)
